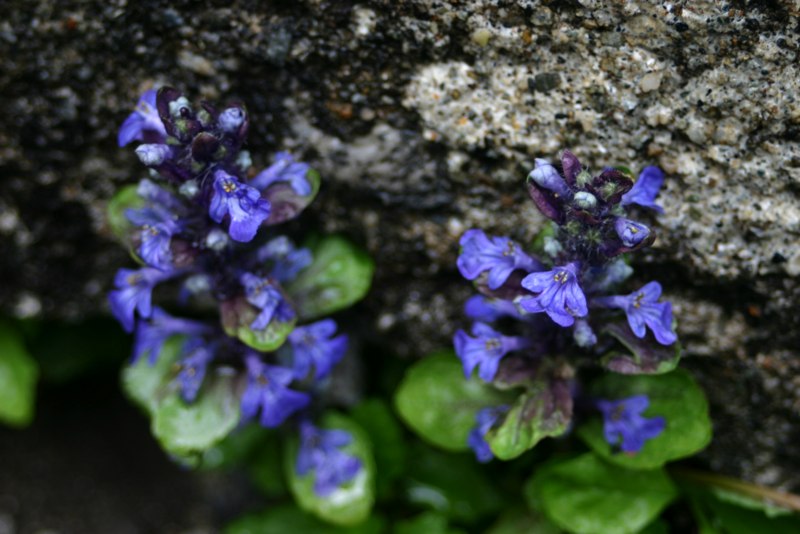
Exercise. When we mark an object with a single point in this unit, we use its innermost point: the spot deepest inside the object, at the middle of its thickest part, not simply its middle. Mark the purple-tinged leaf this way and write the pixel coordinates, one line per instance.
(544, 410)
(286, 203)
(646, 355)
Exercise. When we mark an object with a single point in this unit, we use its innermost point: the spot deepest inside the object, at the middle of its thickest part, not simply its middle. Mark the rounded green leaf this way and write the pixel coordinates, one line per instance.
(349, 504)
(18, 375)
(386, 436)
(439, 404)
(237, 315)
(545, 410)
(674, 396)
(452, 484)
(586, 495)
(185, 429)
(147, 384)
(340, 275)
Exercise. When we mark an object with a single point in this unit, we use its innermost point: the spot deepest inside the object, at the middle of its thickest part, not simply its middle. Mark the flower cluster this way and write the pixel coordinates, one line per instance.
(203, 224)
(558, 306)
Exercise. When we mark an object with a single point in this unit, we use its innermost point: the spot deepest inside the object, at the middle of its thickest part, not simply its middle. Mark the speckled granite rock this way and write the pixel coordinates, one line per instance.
(424, 116)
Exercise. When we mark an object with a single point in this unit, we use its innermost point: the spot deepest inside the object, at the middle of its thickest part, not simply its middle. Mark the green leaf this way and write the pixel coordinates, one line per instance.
(188, 429)
(586, 495)
(734, 516)
(743, 501)
(659, 526)
(239, 447)
(386, 435)
(451, 484)
(183, 430)
(237, 315)
(340, 275)
(647, 356)
(520, 521)
(350, 504)
(147, 384)
(266, 467)
(18, 376)
(427, 523)
(545, 410)
(439, 404)
(674, 396)
(126, 198)
(288, 519)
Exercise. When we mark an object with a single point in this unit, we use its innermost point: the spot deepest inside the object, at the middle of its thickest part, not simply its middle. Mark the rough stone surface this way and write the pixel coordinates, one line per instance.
(424, 116)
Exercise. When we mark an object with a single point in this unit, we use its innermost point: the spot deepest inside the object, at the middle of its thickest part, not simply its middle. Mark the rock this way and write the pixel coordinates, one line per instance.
(424, 117)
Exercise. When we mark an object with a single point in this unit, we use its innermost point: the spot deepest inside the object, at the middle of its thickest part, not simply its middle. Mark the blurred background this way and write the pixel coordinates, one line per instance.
(423, 118)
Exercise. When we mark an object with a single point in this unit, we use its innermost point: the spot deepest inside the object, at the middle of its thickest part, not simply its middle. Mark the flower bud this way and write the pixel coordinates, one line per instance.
(585, 200)
(231, 119)
(546, 176)
(217, 240)
(631, 233)
(152, 155)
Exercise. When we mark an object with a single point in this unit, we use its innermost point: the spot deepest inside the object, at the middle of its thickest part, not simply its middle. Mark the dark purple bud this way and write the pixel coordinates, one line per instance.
(177, 114)
(548, 190)
(571, 167)
(204, 147)
(545, 200)
(610, 185)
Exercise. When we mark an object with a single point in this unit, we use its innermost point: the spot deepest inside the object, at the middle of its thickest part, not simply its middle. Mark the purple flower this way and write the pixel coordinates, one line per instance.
(645, 190)
(285, 169)
(642, 308)
(143, 123)
(160, 197)
(243, 203)
(151, 335)
(286, 259)
(484, 350)
(193, 367)
(263, 294)
(320, 451)
(631, 233)
(315, 344)
(498, 255)
(487, 310)
(158, 226)
(267, 392)
(559, 294)
(484, 420)
(623, 424)
(134, 293)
